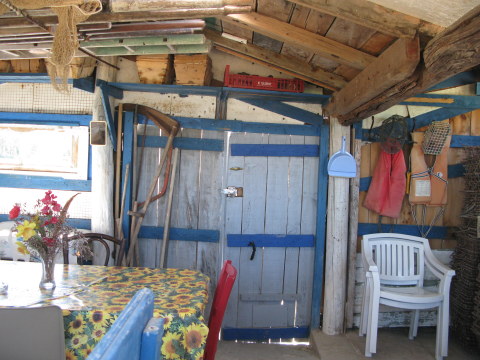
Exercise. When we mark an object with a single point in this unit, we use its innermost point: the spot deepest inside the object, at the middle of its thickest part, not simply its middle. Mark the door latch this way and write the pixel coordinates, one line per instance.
(232, 191)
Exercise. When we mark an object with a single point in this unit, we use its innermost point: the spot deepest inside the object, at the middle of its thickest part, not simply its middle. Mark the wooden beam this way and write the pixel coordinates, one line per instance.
(285, 32)
(395, 64)
(168, 14)
(373, 16)
(152, 5)
(454, 50)
(285, 63)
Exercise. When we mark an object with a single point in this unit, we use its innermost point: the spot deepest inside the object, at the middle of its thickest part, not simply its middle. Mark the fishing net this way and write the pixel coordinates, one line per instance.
(393, 133)
(435, 137)
(65, 42)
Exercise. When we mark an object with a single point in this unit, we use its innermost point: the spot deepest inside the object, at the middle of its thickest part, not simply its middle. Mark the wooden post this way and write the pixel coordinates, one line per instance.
(102, 170)
(337, 241)
(352, 233)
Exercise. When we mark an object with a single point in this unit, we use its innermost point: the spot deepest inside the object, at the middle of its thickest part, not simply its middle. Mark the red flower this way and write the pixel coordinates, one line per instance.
(14, 212)
(56, 206)
(53, 220)
(49, 241)
(46, 210)
(49, 197)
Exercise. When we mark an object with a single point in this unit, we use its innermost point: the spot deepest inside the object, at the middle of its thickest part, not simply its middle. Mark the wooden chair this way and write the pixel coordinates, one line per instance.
(135, 334)
(32, 333)
(103, 239)
(395, 267)
(220, 299)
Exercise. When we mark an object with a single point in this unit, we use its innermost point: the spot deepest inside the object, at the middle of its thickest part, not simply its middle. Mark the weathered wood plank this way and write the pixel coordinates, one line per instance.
(293, 65)
(291, 34)
(452, 51)
(395, 64)
(373, 16)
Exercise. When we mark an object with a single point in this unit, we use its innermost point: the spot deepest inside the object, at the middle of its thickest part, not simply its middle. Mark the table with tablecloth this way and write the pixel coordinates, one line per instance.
(92, 297)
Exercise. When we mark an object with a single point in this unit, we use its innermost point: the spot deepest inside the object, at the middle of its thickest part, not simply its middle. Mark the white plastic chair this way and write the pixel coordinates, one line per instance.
(395, 266)
(32, 333)
(8, 248)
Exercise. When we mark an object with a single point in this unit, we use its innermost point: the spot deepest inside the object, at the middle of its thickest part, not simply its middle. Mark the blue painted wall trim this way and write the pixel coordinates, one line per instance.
(321, 224)
(270, 240)
(265, 333)
(464, 78)
(74, 222)
(45, 119)
(458, 141)
(127, 160)
(274, 150)
(156, 232)
(182, 143)
(437, 232)
(454, 101)
(286, 110)
(26, 78)
(44, 182)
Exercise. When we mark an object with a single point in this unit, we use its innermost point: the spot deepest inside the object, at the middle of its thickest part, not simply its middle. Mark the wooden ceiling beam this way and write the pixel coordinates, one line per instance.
(287, 33)
(454, 50)
(285, 63)
(373, 16)
(169, 14)
(394, 65)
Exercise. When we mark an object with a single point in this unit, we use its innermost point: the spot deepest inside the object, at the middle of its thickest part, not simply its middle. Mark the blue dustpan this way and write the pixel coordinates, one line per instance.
(342, 163)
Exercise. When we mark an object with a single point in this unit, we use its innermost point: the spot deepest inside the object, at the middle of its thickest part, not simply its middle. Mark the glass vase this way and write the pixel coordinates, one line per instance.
(48, 273)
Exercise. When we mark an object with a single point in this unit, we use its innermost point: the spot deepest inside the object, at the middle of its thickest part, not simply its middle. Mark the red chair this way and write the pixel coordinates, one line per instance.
(220, 300)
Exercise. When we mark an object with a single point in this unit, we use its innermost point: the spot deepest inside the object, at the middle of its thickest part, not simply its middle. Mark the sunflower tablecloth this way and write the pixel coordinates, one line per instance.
(92, 298)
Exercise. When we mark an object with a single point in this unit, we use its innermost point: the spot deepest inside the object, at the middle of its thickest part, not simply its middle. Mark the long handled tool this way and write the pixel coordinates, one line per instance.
(171, 127)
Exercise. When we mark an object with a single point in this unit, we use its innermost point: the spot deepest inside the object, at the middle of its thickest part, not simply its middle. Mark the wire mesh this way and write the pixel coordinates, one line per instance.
(435, 137)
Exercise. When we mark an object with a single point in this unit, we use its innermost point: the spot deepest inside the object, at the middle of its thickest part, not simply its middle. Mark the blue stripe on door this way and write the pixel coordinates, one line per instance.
(268, 240)
(274, 150)
(265, 333)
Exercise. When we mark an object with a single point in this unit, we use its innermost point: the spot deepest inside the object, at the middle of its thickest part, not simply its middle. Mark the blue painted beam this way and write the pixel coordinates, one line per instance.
(109, 116)
(73, 222)
(437, 232)
(85, 84)
(127, 160)
(274, 150)
(255, 334)
(26, 78)
(269, 240)
(44, 182)
(182, 143)
(241, 93)
(201, 235)
(464, 78)
(113, 91)
(444, 101)
(287, 110)
(45, 119)
(321, 227)
(459, 141)
(168, 89)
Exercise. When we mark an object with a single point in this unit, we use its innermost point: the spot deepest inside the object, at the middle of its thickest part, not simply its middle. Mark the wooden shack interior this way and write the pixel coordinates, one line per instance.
(255, 96)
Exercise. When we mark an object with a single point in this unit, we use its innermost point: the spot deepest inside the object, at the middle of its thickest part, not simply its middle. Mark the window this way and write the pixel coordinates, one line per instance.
(44, 150)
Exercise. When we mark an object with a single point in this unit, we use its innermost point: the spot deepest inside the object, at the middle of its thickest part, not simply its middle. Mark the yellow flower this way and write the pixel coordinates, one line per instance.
(78, 341)
(99, 318)
(26, 230)
(70, 355)
(195, 336)
(77, 326)
(168, 346)
(87, 350)
(184, 312)
(21, 248)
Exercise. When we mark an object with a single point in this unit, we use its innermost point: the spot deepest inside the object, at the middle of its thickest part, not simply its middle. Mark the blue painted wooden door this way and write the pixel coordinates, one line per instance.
(272, 295)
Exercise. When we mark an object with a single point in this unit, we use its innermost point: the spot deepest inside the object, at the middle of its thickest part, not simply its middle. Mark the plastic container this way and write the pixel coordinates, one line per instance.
(261, 82)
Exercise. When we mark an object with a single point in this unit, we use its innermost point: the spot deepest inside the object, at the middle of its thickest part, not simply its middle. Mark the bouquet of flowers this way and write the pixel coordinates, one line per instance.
(43, 231)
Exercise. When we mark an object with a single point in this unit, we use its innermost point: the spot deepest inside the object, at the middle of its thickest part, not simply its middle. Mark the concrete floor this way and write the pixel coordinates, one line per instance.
(393, 344)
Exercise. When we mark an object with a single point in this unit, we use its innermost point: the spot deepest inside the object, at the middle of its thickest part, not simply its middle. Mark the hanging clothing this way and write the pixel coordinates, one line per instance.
(387, 189)
(428, 186)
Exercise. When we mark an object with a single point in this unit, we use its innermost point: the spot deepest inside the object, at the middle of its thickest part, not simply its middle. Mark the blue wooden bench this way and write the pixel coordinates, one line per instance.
(135, 335)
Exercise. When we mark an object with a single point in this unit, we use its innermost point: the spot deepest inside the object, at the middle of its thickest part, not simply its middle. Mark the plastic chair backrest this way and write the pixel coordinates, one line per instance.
(8, 248)
(32, 333)
(220, 299)
(123, 341)
(400, 261)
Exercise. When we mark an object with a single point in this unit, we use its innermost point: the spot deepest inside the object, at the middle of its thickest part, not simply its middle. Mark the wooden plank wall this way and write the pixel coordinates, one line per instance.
(466, 124)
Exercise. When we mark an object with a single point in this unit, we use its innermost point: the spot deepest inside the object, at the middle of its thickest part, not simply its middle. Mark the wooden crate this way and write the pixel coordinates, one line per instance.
(155, 69)
(193, 69)
(28, 66)
(81, 67)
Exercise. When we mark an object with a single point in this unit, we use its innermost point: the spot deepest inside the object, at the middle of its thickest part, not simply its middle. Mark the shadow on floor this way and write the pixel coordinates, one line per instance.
(393, 344)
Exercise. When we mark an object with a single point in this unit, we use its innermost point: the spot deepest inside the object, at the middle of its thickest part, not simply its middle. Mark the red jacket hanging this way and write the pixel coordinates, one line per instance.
(387, 189)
